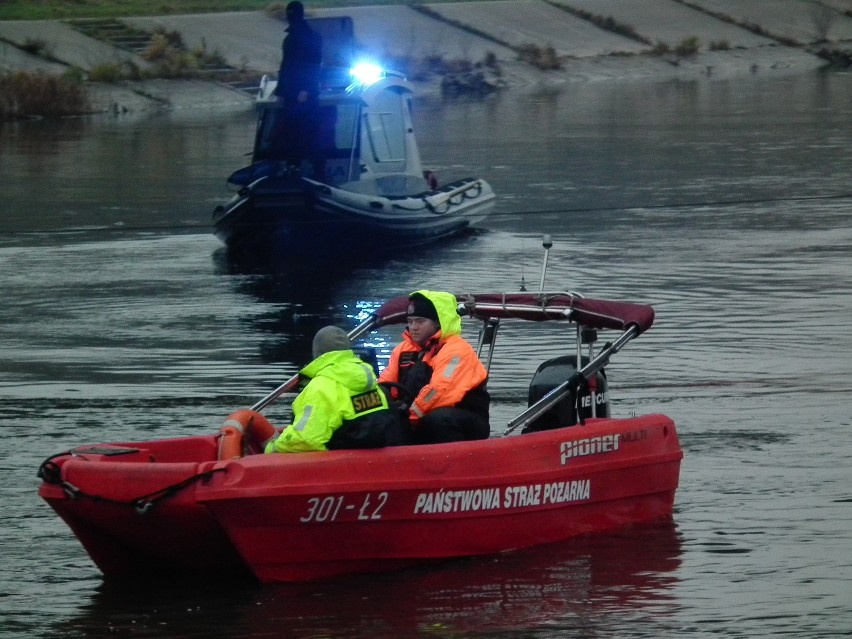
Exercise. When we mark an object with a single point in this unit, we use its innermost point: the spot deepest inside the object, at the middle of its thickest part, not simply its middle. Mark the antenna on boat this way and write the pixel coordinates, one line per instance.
(546, 242)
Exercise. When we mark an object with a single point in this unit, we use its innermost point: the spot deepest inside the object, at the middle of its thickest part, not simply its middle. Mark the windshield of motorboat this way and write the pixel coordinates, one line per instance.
(341, 122)
(336, 139)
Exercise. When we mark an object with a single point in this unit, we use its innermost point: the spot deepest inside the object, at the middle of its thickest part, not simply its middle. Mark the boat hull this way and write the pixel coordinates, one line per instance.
(170, 506)
(439, 502)
(296, 217)
(111, 496)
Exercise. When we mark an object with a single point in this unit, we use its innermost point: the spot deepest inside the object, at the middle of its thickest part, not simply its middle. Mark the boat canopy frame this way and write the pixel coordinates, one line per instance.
(587, 314)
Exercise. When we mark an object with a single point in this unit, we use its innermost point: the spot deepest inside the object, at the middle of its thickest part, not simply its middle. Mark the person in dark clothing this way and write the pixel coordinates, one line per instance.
(299, 86)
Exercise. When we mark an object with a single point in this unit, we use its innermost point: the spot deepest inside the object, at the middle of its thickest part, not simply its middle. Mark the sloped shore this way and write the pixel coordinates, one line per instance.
(732, 38)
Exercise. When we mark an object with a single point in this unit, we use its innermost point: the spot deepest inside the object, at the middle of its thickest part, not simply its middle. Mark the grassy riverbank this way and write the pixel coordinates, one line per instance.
(53, 10)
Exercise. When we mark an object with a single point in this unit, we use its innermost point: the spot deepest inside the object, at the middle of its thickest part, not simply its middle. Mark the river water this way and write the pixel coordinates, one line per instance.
(727, 205)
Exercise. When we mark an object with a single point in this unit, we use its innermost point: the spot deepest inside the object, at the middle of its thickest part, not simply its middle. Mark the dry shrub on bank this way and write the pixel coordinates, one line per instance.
(688, 46)
(167, 51)
(40, 94)
(422, 68)
(543, 58)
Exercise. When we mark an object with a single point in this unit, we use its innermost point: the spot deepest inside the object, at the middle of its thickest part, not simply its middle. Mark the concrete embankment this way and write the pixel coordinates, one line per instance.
(732, 37)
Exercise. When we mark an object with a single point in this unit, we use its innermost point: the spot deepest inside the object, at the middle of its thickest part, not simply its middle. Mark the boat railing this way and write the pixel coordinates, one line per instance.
(578, 379)
(488, 336)
(443, 199)
(588, 315)
(266, 91)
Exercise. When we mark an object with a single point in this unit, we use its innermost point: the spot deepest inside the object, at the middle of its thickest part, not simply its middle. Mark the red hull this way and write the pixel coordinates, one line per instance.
(97, 495)
(315, 515)
(320, 515)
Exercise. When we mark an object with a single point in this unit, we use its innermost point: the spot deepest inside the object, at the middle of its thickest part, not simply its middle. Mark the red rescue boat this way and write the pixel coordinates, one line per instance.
(563, 467)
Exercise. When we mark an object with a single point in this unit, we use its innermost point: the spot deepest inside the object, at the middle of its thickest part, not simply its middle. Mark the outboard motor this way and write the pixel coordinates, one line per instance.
(556, 371)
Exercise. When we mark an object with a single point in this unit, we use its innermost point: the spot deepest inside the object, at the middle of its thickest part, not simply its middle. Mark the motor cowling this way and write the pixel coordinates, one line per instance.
(574, 406)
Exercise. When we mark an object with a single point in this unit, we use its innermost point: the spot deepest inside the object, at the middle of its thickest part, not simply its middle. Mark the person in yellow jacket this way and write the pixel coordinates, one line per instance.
(341, 406)
(439, 372)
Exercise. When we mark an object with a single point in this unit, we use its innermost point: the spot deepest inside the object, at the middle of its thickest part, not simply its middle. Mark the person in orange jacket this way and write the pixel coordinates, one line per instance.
(442, 381)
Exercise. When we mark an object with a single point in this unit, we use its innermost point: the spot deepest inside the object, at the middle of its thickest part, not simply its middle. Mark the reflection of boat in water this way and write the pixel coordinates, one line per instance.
(573, 585)
(199, 504)
(365, 188)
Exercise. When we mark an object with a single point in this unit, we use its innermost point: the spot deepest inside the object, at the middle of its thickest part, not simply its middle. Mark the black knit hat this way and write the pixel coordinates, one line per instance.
(421, 306)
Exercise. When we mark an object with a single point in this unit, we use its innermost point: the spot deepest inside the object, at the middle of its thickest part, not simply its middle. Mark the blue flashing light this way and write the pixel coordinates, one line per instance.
(366, 73)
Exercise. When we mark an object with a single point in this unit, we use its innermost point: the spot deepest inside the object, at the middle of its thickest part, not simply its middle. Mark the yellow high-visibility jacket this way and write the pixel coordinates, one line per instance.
(342, 388)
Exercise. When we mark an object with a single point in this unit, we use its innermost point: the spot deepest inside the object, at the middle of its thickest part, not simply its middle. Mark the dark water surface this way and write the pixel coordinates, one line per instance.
(726, 205)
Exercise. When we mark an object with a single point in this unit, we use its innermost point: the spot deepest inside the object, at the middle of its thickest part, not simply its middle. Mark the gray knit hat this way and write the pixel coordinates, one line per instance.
(329, 339)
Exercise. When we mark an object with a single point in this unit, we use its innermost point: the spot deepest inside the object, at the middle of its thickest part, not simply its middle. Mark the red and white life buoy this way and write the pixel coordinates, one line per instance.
(244, 432)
